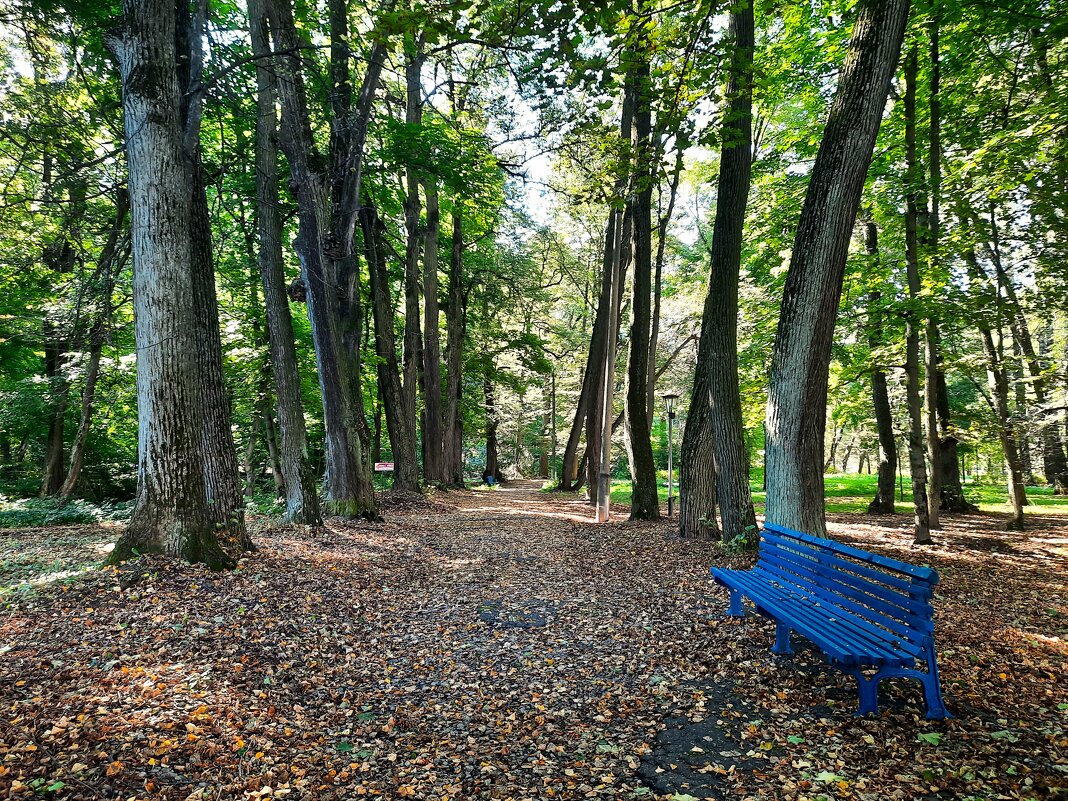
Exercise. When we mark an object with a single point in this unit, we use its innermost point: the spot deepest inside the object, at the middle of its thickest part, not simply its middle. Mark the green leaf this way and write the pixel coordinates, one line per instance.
(795, 739)
(827, 777)
(344, 747)
(932, 737)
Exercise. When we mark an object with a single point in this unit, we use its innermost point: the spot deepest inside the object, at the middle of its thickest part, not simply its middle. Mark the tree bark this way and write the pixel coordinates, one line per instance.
(456, 320)
(645, 500)
(797, 398)
(999, 388)
(883, 503)
(412, 354)
(324, 245)
(917, 466)
(171, 514)
(716, 377)
(433, 443)
(493, 467)
(399, 423)
(298, 477)
(1054, 462)
(658, 277)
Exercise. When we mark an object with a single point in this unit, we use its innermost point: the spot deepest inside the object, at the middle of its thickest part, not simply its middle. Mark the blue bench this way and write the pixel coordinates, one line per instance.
(862, 610)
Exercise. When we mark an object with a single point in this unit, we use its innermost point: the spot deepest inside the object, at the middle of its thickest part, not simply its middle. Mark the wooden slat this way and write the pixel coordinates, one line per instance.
(923, 574)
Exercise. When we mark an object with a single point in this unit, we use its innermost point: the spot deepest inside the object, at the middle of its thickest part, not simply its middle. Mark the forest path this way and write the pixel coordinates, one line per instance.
(498, 644)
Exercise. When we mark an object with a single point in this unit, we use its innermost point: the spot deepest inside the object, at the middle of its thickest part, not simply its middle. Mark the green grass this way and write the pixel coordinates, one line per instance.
(846, 493)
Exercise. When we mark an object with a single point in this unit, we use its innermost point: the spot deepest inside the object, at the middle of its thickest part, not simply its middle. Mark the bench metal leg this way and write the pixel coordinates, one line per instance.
(868, 689)
(735, 609)
(782, 639)
(932, 688)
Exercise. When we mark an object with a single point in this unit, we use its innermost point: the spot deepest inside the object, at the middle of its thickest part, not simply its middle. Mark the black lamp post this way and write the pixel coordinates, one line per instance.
(669, 404)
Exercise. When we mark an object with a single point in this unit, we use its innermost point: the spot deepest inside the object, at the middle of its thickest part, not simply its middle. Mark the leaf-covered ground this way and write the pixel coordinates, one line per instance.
(498, 645)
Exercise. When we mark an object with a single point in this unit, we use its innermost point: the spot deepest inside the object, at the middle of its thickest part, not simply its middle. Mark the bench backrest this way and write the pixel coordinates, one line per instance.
(866, 588)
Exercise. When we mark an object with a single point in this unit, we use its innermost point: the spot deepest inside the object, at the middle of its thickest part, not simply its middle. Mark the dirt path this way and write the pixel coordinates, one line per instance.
(496, 644)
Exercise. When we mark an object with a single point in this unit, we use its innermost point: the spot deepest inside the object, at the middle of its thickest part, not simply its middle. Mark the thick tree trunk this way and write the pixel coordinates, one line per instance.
(298, 477)
(883, 502)
(172, 514)
(797, 397)
(716, 378)
(433, 444)
(55, 352)
(221, 470)
(324, 245)
(645, 501)
(456, 320)
(597, 357)
(697, 471)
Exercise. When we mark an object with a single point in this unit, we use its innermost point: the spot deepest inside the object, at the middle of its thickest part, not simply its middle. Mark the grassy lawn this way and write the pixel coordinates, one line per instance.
(852, 493)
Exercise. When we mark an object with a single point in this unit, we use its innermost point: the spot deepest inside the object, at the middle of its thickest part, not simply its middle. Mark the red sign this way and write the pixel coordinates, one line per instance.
(383, 467)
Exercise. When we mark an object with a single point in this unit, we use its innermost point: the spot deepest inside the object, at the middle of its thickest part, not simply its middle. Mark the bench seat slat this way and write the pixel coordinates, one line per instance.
(924, 574)
(858, 637)
(826, 628)
(920, 589)
(900, 640)
(829, 585)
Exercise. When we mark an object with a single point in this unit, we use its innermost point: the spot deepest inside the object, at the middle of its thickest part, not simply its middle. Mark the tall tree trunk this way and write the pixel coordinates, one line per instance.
(109, 263)
(946, 485)
(400, 424)
(1054, 462)
(412, 354)
(172, 514)
(270, 437)
(586, 411)
(569, 468)
(999, 389)
(917, 466)
(658, 277)
(883, 503)
(716, 378)
(324, 245)
(433, 444)
(645, 500)
(301, 492)
(493, 467)
(598, 356)
(797, 396)
(456, 320)
(221, 469)
(59, 258)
